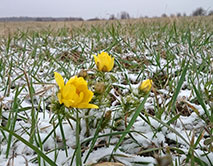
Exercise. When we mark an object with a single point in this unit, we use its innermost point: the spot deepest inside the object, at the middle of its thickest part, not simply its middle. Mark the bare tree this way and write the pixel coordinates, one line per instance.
(164, 15)
(112, 17)
(124, 15)
(199, 12)
(178, 14)
(210, 13)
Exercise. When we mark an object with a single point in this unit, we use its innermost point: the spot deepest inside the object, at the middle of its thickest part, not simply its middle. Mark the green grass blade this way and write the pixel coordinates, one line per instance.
(170, 128)
(178, 88)
(94, 138)
(13, 120)
(200, 100)
(62, 134)
(40, 153)
(132, 121)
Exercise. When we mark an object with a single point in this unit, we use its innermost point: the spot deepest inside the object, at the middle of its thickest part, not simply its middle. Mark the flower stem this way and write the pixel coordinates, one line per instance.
(87, 123)
(78, 143)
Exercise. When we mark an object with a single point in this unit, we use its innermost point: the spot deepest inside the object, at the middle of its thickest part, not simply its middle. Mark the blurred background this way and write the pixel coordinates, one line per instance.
(101, 9)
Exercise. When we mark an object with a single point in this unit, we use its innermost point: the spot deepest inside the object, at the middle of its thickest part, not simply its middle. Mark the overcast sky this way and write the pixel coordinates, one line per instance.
(99, 8)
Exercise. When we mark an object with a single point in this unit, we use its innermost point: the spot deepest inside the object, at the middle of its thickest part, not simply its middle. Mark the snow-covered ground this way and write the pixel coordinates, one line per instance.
(122, 99)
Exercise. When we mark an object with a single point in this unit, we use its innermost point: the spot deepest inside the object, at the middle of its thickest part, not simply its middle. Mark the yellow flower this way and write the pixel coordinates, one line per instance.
(146, 86)
(74, 93)
(104, 62)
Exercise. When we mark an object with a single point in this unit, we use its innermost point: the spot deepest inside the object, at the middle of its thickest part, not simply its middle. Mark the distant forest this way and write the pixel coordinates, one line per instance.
(41, 19)
(122, 15)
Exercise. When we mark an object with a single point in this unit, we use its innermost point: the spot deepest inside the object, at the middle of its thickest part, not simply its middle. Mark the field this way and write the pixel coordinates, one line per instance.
(169, 124)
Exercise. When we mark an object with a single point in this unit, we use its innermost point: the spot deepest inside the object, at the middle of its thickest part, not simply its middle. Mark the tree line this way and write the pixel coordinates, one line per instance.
(198, 12)
(41, 19)
(122, 15)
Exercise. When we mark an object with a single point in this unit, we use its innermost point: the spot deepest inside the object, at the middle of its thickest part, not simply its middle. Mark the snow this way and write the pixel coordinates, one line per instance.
(127, 152)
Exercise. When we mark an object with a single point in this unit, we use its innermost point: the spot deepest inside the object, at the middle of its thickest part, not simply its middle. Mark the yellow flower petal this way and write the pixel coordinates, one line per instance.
(88, 94)
(68, 103)
(111, 64)
(68, 91)
(59, 97)
(86, 105)
(96, 59)
(59, 80)
(77, 99)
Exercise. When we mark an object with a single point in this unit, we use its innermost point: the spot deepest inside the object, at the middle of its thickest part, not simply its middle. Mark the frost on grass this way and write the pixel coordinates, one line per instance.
(136, 59)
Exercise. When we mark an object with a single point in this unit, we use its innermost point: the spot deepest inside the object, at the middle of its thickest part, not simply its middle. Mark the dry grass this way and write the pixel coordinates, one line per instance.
(12, 27)
(9, 28)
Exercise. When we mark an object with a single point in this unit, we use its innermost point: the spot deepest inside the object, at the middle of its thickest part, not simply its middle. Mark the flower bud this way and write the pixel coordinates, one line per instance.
(99, 87)
(82, 73)
(104, 62)
(146, 86)
(108, 115)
